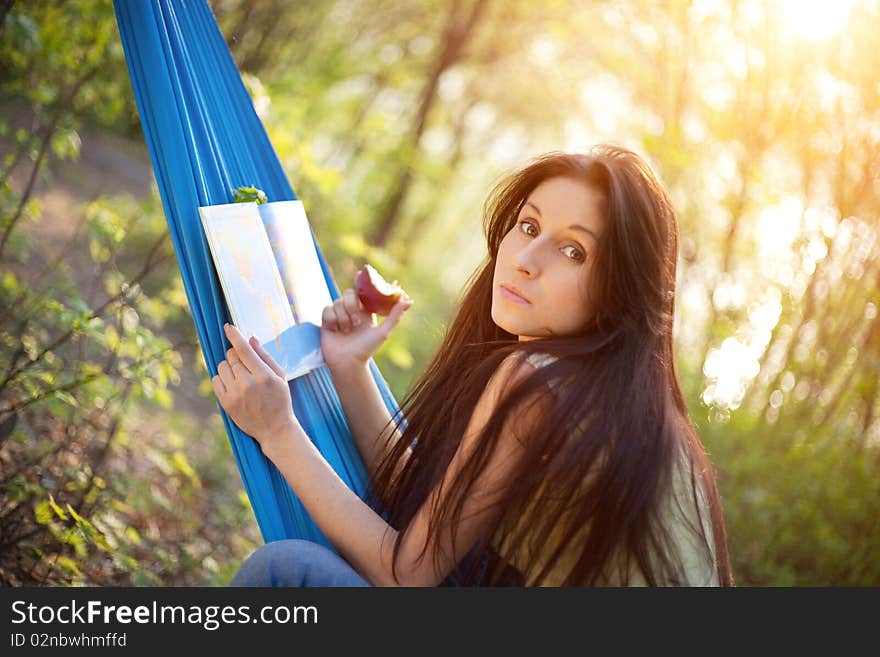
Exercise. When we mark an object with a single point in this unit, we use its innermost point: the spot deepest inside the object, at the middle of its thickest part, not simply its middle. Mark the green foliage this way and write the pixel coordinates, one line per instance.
(94, 335)
(56, 60)
(799, 508)
(249, 195)
(78, 373)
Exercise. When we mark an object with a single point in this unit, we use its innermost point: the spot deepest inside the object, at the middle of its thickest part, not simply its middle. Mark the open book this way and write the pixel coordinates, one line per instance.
(271, 277)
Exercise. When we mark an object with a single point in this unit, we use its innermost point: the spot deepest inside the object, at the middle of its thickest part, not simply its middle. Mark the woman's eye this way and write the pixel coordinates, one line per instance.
(526, 223)
(580, 255)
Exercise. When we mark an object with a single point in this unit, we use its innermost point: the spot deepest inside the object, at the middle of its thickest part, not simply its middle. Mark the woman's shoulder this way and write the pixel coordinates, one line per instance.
(690, 518)
(540, 359)
(536, 358)
(690, 530)
(511, 372)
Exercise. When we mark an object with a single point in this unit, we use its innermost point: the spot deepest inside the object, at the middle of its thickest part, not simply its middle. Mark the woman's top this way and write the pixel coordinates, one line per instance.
(699, 565)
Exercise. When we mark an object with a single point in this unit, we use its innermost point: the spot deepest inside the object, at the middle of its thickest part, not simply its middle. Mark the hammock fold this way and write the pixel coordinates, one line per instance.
(205, 139)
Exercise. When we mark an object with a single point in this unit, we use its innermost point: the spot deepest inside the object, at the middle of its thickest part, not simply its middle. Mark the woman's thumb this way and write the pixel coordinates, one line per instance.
(262, 353)
(396, 313)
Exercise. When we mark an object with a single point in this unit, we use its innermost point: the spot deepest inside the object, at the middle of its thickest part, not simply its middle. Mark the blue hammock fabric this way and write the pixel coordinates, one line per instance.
(205, 140)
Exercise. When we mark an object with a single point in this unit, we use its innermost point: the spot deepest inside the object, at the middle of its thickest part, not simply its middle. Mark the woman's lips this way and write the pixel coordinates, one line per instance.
(513, 296)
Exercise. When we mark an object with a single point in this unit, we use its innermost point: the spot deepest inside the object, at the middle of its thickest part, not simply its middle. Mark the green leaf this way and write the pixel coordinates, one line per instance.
(69, 565)
(79, 519)
(111, 338)
(98, 251)
(31, 348)
(163, 398)
(66, 144)
(180, 463)
(127, 561)
(67, 398)
(43, 512)
(250, 195)
(9, 281)
(57, 509)
(133, 536)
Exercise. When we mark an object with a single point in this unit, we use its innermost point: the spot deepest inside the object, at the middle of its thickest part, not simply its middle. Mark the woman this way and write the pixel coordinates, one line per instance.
(547, 443)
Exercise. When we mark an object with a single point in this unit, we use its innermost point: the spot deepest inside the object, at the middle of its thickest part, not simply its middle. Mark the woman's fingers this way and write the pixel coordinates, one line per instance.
(232, 358)
(244, 351)
(353, 306)
(345, 314)
(262, 353)
(331, 317)
(219, 387)
(224, 371)
(348, 309)
(394, 316)
(342, 318)
(328, 318)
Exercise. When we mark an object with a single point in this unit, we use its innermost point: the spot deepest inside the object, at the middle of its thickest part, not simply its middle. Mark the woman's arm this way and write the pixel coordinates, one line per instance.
(363, 538)
(366, 413)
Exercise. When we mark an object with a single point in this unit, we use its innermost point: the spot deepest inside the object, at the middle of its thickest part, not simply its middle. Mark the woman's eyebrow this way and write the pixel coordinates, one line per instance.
(572, 227)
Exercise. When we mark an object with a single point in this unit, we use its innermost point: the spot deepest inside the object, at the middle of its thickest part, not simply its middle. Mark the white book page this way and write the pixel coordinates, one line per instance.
(291, 240)
(247, 271)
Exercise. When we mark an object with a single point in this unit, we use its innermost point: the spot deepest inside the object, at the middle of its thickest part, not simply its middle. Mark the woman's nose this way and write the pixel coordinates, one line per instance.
(525, 261)
(524, 269)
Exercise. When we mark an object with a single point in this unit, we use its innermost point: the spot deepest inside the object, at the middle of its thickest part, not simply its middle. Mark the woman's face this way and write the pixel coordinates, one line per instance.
(548, 257)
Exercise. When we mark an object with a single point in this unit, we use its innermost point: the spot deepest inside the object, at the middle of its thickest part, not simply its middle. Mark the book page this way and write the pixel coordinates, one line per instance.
(291, 240)
(247, 271)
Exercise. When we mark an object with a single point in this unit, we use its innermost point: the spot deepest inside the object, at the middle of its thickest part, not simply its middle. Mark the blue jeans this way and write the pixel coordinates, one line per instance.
(298, 563)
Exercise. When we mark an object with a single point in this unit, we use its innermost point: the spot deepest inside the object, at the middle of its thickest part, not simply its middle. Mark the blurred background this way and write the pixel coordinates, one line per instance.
(392, 120)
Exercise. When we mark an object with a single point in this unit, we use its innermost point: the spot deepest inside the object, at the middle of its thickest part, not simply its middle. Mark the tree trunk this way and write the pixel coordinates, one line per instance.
(456, 35)
(5, 6)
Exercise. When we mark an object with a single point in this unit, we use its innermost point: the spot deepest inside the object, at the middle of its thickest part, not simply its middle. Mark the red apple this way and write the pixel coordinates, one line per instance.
(377, 294)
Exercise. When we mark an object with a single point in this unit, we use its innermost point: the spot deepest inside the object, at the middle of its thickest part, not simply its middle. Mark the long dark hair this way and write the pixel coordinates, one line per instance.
(618, 421)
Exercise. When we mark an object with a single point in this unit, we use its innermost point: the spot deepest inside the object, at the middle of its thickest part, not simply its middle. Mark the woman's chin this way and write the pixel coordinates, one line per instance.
(500, 321)
(507, 326)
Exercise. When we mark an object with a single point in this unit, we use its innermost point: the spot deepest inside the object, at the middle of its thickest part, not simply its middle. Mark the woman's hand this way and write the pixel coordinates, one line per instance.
(350, 335)
(252, 390)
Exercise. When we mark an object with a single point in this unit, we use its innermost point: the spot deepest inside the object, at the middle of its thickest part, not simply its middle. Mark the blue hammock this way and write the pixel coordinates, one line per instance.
(205, 140)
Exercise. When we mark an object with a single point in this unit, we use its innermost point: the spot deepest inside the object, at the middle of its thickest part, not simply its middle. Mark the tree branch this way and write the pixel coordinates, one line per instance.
(148, 267)
(5, 6)
(456, 35)
(63, 102)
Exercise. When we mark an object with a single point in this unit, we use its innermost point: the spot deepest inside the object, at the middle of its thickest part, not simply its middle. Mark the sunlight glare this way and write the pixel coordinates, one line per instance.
(814, 20)
(731, 368)
(778, 226)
